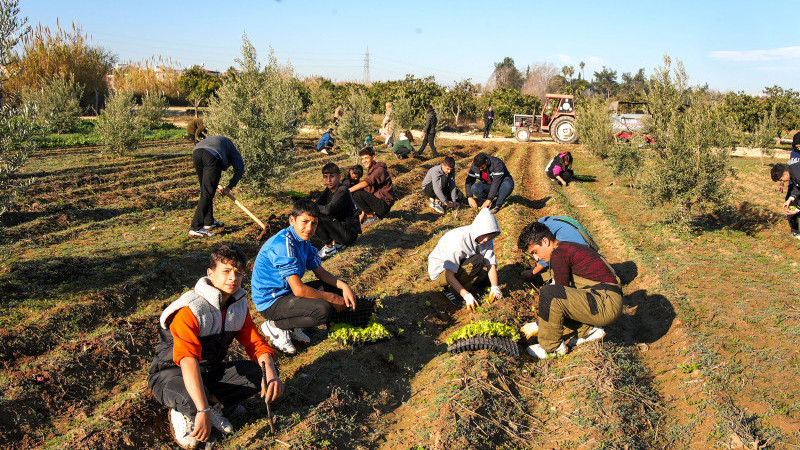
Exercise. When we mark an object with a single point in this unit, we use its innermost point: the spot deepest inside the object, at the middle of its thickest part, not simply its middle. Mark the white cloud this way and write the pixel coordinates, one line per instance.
(564, 59)
(597, 61)
(758, 55)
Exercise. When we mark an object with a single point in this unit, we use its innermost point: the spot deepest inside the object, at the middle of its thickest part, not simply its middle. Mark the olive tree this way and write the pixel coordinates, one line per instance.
(117, 125)
(322, 103)
(258, 110)
(56, 105)
(593, 126)
(689, 163)
(151, 113)
(356, 123)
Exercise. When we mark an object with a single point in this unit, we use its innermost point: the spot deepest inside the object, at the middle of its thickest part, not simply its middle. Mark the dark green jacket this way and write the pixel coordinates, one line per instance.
(430, 122)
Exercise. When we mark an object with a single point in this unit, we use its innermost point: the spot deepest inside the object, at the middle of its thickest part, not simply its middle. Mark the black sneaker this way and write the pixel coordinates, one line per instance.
(452, 297)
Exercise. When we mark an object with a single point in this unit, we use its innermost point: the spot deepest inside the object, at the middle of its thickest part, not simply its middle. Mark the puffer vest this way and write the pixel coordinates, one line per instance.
(215, 336)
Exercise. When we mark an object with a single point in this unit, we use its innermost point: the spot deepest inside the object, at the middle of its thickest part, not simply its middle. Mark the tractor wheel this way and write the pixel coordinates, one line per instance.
(563, 130)
(523, 134)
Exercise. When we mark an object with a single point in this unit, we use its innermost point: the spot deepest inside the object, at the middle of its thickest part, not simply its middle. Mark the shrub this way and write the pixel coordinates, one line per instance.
(47, 54)
(56, 105)
(322, 105)
(116, 125)
(258, 110)
(16, 132)
(690, 162)
(402, 115)
(593, 126)
(627, 159)
(763, 135)
(356, 123)
(151, 113)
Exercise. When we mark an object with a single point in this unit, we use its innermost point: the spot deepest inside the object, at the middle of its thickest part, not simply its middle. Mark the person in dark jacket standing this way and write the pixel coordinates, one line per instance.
(429, 131)
(190, 373)
(488, 119)
(211, 156)
(439, 186)
(338, 224)
(488, 180)
(375, 195)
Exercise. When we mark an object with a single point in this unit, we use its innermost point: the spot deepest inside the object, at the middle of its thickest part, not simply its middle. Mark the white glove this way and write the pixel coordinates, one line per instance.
(498, 294)
(530, 329)
(471, 302)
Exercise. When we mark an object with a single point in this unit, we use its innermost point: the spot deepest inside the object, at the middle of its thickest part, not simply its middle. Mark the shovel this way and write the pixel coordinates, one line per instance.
(252, 216)
(269, 411)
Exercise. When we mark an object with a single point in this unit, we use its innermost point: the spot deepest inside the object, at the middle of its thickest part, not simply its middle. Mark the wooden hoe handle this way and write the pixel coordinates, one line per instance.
(244, 208)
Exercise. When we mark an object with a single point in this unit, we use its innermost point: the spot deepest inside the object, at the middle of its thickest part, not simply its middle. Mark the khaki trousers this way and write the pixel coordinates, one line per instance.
(469, 273)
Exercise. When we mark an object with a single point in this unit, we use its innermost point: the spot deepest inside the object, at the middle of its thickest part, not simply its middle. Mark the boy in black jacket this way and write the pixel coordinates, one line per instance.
(782, 172)
(488, 180)
(339, 225)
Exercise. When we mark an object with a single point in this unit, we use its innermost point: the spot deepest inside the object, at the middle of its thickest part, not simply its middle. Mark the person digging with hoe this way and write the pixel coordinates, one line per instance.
(286, 302)
(586, 295)
(211, 157)
(190, 374)
(464, 257)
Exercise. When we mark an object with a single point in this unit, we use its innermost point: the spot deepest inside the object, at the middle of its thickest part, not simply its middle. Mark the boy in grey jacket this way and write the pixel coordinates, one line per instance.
(464, 257)
(439, 186)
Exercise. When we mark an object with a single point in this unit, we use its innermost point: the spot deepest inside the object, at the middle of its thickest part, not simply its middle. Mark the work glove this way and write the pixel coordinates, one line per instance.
(530, 330)
(471, 302)
(495, 293)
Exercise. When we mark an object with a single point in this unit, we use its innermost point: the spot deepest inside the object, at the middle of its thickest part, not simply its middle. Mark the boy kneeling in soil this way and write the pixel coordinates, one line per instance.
(585, 297)
(565, 229)
(464, 257)
(790, 173)
(488, 180)
(188, 374)
(375, 195)
(283, 299)
(439, 186)
(338, 224)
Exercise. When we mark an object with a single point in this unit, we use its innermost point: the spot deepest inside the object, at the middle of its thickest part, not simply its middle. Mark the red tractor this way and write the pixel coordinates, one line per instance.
(557, 118)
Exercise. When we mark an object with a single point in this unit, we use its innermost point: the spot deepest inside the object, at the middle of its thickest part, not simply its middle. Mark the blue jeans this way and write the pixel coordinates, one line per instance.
(481, 190)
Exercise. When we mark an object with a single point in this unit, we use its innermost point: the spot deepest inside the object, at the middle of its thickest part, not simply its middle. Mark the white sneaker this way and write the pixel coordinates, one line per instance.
(219, 422)
(300, 336)
(339, 247)
(595, 334)
(202, 232)
(326, 252)
(216, 224)
(437, 206)
(279, 338)
(181, 425)
(430, 201)
(537, 351)
(324, 151)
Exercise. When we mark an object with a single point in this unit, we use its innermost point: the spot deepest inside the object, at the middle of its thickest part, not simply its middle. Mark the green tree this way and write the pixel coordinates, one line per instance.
(633, 87)
(356, 123)
(322, 105)
(593, 126)
(151, 113)
(460, 99)
(117, 125)
(403, 115)
(63, 53)
(198, 86)
(746, 110)
(56, 105)
(786, 103)
(689, 164)
(605, 82)
(258, 110)
(506, 75)
(763, 136)
(507, 102)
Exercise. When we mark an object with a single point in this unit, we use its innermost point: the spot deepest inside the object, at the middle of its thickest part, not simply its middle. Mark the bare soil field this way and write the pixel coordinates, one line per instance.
(705, 355)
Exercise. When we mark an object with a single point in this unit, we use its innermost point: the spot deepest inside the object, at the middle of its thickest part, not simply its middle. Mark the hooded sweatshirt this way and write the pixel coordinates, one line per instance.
(459, 244)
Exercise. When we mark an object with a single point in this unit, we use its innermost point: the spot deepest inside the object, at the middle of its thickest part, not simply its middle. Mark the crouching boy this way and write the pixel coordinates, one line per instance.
(464, 257)
(585, 297)
(279, 293)
(188, 373)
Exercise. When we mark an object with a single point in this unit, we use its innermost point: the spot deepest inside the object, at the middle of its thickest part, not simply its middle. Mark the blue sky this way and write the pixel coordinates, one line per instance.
(731, 45)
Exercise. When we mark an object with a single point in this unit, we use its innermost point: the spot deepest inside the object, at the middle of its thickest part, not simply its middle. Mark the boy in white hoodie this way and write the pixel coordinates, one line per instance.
(464, 257)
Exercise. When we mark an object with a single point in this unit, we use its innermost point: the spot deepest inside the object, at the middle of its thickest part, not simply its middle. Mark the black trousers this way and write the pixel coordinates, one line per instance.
(290, 311)
(230, 382)
(428, 140)
(566, 175)
(209, 172)
(371, 204)
(329, 229)
(487, 128)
